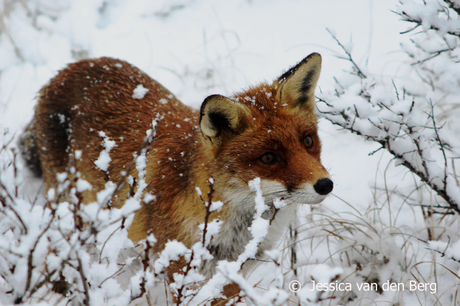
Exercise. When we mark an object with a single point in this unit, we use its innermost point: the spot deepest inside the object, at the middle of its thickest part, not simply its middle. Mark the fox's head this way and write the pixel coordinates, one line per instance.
(270, 131)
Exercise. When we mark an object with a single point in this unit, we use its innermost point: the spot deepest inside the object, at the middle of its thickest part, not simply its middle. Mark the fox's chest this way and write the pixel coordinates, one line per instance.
(235, 232)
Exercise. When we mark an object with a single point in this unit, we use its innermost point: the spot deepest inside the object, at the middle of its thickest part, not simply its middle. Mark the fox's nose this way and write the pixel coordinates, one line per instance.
(323, 186)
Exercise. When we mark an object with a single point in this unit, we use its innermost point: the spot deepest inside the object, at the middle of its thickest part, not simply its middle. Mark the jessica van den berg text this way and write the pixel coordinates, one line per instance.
(387, 286)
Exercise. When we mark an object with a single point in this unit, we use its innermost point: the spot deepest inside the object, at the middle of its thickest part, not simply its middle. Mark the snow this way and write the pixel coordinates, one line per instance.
(216, 206)
(259, 226)
(149, 197)
(51, 194)
(139, 92)
(141, 163)
(223, 48)
(172, 251)
(103, 161)
(83, 185)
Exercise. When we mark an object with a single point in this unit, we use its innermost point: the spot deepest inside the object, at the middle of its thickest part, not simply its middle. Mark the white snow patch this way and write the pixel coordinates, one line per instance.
(104, 159)
(83, 185)
(139, 92)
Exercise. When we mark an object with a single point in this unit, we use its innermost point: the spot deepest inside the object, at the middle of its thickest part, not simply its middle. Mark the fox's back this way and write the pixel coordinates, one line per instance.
(110, 96)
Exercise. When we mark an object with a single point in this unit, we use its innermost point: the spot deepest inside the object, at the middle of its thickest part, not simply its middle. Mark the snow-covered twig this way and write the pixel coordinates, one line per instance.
(59, 247)
(405, 126)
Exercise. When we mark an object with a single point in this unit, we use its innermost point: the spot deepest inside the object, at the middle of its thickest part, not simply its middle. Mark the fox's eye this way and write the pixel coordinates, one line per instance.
(269, 158)
(308, 142)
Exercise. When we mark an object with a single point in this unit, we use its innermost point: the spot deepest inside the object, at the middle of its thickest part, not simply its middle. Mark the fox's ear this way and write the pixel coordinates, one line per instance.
(297, 85)
(221, 117)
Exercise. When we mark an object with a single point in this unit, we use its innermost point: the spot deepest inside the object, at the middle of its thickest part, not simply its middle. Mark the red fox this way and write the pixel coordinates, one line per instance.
(267, 131)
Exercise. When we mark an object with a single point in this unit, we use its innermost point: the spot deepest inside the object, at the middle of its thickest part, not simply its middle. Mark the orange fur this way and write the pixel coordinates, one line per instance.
(228, 140)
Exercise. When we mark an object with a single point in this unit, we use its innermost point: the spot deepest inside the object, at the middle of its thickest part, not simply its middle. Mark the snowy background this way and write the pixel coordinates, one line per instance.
(197, 48)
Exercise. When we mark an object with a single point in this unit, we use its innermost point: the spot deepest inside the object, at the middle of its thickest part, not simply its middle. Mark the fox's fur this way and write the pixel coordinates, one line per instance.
(268, 131)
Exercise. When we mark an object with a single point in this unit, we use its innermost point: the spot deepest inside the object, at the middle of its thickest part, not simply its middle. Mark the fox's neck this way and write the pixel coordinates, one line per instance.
(235, 233)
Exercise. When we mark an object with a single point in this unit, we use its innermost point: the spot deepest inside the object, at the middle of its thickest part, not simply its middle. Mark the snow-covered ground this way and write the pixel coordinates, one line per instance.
(200, 47)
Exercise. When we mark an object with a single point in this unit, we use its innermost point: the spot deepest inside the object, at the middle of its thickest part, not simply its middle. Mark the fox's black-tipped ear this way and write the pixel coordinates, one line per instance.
(221, 117)
(297, 85)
